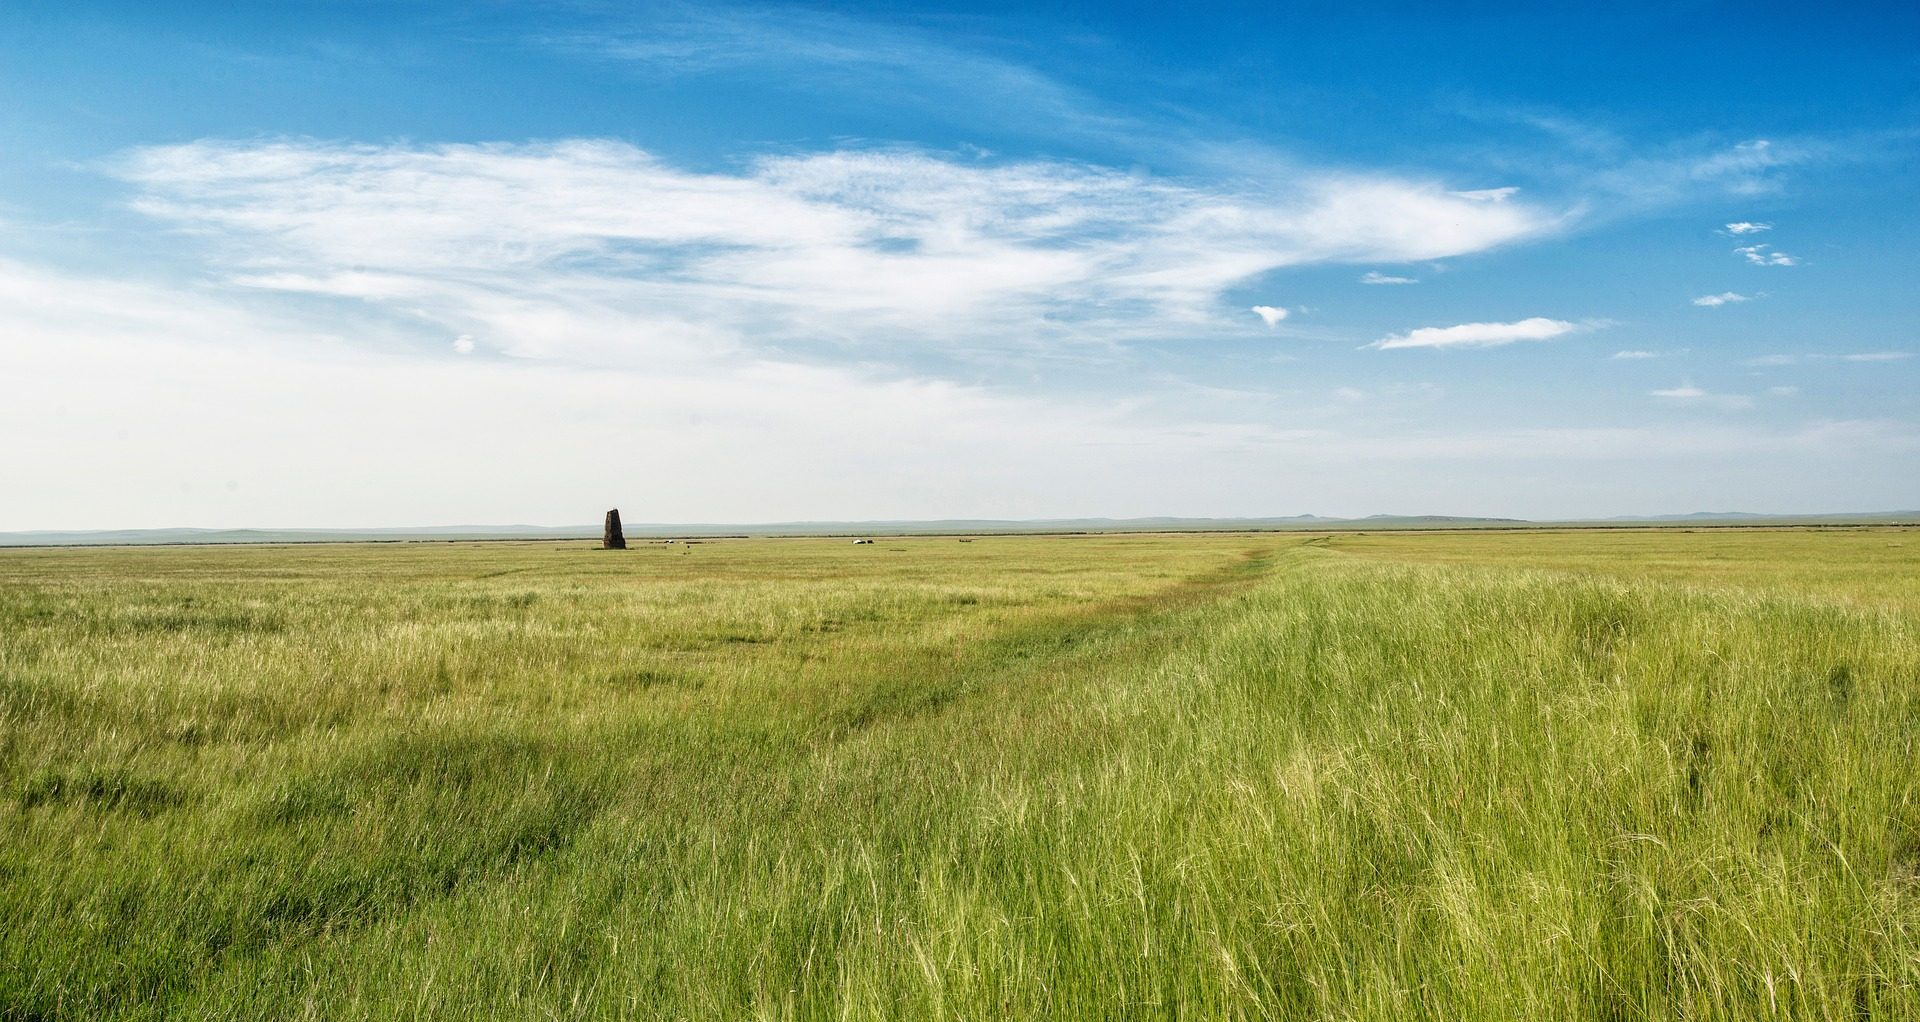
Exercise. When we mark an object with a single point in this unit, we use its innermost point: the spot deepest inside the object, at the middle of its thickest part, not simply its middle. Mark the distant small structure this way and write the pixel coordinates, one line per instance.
(862, 542)
(611, 538)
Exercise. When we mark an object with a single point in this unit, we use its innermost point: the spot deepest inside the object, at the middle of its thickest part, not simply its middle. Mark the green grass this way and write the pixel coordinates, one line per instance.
(1499, 776)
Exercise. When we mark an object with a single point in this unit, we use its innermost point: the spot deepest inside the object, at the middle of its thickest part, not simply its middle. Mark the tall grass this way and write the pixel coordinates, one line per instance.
(1207, 777)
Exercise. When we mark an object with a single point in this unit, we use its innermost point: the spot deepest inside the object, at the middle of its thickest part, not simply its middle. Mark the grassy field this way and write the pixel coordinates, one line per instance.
(1648, 774)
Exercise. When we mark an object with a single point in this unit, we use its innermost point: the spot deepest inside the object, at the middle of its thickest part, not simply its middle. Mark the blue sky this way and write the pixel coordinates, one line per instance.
(359, 264)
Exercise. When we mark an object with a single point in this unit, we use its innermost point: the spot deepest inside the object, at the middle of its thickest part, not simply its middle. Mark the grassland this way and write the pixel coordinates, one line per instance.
(1480, 776)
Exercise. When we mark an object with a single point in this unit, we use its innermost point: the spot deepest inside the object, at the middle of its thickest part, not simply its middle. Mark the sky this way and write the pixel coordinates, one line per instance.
(362, 265)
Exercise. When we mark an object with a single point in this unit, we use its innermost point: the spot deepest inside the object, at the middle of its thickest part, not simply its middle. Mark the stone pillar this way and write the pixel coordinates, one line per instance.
(611, 538)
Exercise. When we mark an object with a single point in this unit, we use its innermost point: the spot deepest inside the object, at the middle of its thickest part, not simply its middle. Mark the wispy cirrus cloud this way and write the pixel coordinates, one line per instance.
(597, 250)
(1741, 227)
(1681, 171)
(824, 50)
(1767, 361)
(1480, 335)
(1723, 298)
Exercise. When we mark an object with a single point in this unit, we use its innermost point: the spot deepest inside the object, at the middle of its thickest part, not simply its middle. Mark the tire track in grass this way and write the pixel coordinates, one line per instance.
(1031, 649)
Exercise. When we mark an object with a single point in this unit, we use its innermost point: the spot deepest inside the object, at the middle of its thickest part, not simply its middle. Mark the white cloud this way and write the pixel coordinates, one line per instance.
(1747, 227)
(1877, 356)
(1376, 277)
(1478, 335)
(598, 252)
(1723, 298)
(1785, 391)
(1623, 356)
(1270, 314)
(463, 344)
(1690, 394)
(1761, 255)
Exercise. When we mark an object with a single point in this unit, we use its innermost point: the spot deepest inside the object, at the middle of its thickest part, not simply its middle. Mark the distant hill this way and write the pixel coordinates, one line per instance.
(1716, 516)
(946, 527)
(1433, 521)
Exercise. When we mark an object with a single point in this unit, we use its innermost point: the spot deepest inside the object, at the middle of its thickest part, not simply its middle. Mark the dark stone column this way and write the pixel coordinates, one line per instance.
(612, 538)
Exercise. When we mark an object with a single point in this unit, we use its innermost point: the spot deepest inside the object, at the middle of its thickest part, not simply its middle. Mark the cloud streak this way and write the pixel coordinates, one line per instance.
(1376, 277)
(1478, 335)
(1767, 361)
(1687, 393)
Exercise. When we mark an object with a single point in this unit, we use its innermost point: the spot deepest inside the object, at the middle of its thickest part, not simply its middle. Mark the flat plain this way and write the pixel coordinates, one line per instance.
(1626, 774)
